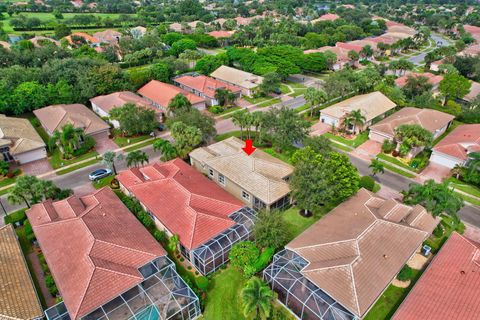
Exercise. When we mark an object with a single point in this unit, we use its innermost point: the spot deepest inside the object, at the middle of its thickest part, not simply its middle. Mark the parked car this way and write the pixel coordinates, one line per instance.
(99, 174)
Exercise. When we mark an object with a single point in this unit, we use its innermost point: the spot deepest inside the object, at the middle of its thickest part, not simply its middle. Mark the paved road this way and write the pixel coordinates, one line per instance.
(439, 42)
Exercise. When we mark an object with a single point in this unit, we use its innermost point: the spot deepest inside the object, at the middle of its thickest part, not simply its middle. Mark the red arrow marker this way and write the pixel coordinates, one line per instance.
(249, 148)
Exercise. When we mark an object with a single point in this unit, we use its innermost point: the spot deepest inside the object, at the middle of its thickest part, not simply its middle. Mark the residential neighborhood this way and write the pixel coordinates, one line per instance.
(242, 160)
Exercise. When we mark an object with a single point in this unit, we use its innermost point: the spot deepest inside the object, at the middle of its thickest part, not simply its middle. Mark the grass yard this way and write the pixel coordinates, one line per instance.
(296, 223)
(269, 103)
(449, 225)
(103, 182)
(125, 141)
(57, 162)
(141, 145)
(359, 139)
(471, 200)
(395, 161)
(398, 171)
(285, 156)
(227, 116)
(78, 166)
(341, 147)
(227, 135)
(227, 110)
(462, 186)
(256, 100)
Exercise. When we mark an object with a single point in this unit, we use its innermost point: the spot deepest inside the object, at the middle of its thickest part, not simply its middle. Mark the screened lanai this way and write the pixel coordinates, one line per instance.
(213, 254)
(300, 295)
(162, 295)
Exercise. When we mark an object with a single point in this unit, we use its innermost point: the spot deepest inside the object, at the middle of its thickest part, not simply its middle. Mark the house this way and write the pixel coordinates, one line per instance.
(452, 279)
(372, 105)
(205, 87)
(18, 298)
(82, 35)
(259, 180)
(102, 105)
(138, 32)
(454, 148)
(55, 117)
(474, 92)
(109, 36)
(433, 80)
(434, 121)
(175, 27)
(473, 30)
(349, 46)
(341, 265)
(473, 50)
(160, 94)
(326, 17)
(247, 81)
(38, 41)
(435, 65)
(342, 56)
(105, 264)
(183, 202)
(19, 141)
(221, 34)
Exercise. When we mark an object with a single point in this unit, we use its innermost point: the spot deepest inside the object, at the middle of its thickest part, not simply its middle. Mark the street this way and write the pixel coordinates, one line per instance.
(439, 42)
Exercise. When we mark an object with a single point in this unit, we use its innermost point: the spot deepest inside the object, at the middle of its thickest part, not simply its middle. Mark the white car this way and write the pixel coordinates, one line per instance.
(99, 174)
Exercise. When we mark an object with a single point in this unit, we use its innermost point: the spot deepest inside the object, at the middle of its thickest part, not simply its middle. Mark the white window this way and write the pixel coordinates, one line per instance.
(221, 179)
(245, 195)
(210, 172)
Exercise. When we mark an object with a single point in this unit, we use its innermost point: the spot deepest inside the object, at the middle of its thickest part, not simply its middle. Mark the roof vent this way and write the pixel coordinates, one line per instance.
(462, 272)
(385, 256)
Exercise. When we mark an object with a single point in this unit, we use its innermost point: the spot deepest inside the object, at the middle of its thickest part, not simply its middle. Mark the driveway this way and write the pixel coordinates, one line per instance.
(104, 144)
(37, 167)
(434, 171)
(320, 128)
(369, 149)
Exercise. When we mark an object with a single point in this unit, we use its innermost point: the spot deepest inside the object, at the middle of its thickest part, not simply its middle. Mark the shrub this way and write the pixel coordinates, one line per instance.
(87, 144)
(438, 232)
(35, 122)
(216, 109)
(367, 182)
(243, 254)
(50, 283)
(160, 236)
(189, 267)
(405, 274)
(17, 216)
(28, 231)
(202, 283)
(388, 146)
(264, 259)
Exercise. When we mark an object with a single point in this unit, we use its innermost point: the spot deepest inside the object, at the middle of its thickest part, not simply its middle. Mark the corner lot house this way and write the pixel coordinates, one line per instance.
(102, 105)
(183, 202)
(452, 278)
(259, 180)
(339, 267)
(18, 298)
(373, 106)
(434, 121)
(160, 94)
(55, 117)
(19, 141)
(247, 81)
(105, 263)
(205, 87)
(454, 148)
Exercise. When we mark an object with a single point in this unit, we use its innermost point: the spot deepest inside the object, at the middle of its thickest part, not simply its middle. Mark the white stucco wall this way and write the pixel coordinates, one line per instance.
(329, 120)
(445, 160)
(30, 156)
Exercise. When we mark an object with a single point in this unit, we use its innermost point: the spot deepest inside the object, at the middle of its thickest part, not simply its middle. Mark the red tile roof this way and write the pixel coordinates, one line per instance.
(119, 99)
(349, 46)
(449, 288)
(161, 93)
(206, 85)
(328, 17)
(83, 35)
(432, 79)
(182, 199)
(93, 246)
(221, 34)
(461, 141)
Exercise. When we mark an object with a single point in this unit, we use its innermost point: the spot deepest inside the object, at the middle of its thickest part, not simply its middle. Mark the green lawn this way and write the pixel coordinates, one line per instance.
(359, 139)
(395, 161)
(471, 200)
(295, 222)
(140, 145)
(269, 103)
(449, 225)
(103, 182)
(285, 156)
(227, 110)
(296, 85)
(78, 166)
(341, 147)
(398, 171)
(284, 88)
(227, 135)
(57, 162)
(227, 116)
(462, 186)
(125, 141)
(256, 100)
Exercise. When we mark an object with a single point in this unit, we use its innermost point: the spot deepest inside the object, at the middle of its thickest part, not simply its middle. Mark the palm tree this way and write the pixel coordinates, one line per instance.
(457, 171)
(136, 158)
(238, 119)
(356, 118)
(168, 150)
(257, 299)
(315, 97)
(69, 139)
(473, 163)
(109, 159)
(376, 166)
(366, 52)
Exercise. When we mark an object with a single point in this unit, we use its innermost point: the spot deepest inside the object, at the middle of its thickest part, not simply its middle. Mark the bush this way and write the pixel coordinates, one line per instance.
(388, 146)
(216, 109)
(405, 274)
(17, 216)
(160, 236)
(35, 122)
(438, 232)
(28, 231)
(367, 182)
(86, 146)
(264, 259)
(50, 283)
(202, 283)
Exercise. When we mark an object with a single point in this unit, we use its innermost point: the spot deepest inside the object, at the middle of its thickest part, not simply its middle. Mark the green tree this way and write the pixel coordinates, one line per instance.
(195, 118)
(437, 198)
(108, 159)
(68, 139)
(411, 136)
(315, 97)
(416, 86)
(353, 55)
(173, 242)
(31, 190)
(4, 167)
(319, 144)
(168, 150)
(285, 127)
(62, 30)
(454, 86)
(376, 166)
(210, 63)
(134, 119)
(186, 138)
(136, 158)
(243, 255)
(401, 65)
(257, 299)
(366, 52)
(224, 96)
(182, 45)
(161, 72)
(28, 96)
(179, 103)
(356, 119)
(271, 82)
(270, 230)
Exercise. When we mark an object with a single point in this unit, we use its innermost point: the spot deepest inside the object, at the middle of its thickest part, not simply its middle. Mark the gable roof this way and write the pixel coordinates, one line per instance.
(429, 119)
(449, 288)
(260, 174)
(371, 105)
(432, 78)
(108, 36)
(18, 298)
(83, 35)
(206, 85)
(56, 116)
(474, 92)
(161, 93)
(221, 34)
(349, 46)
(185, 201)
(460, 142)
(341, 53)
(93, 246)
(355, 251)
(19, 135)
(326, 17)
(237, 77)
(36, 41)
(119, 99)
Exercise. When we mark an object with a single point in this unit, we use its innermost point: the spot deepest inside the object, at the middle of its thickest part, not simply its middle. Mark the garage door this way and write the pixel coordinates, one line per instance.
(375, 136)
(443, 160)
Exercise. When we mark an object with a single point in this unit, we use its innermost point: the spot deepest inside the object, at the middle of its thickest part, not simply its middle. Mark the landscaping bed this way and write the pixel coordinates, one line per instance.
(57, 162)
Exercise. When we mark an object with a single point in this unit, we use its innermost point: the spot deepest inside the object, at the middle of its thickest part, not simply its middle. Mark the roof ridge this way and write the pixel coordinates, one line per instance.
(354, 289)
(123, 247)
(323, 244)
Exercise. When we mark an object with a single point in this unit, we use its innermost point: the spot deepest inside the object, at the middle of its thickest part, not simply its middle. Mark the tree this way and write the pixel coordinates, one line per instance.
(454, 86)
(270, 230)
(168, 150)
(437, 198)
(322, 179)
(108, 159)
(136, 158)
(366, 52)
(197, 119)
(401, 65)
(62, 30)
(186, 138)
(271, 82)
(257, 299)
(68, 139)
(319, 144)
(354, 118)
(376, 166)
(182, 45)
(4, 167)
(473, 163)
(209, 63)
(243, 255)
(179, 103)
(315, 97)
(134, 119)
(160, 71)
(28, 96)
(353, 55)
(412, 136)
(31, 190)
(285, 127)
(173, 242)
(416, 86)
(224, 96)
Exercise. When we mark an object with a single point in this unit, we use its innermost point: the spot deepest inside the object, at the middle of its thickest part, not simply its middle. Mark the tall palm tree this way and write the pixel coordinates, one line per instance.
(473, 163)
(376, 166)
(136, 158)
(168, 150)
(356, 118)
(457, 171)
(69, 139)
(315, 97)
(257, 299)
(238, 119)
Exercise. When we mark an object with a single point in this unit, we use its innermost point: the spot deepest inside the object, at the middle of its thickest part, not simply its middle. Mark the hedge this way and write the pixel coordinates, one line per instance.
(367, 182)
(17, 216)
(264, 259)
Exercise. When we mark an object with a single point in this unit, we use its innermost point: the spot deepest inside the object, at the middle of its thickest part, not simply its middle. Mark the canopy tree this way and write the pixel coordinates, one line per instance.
(186, 138)
(134, 119)
(454, 86)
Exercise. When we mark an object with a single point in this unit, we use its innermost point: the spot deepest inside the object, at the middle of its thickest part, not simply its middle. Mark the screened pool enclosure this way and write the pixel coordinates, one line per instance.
(162, 295)
(300, 295)
(213, 254)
